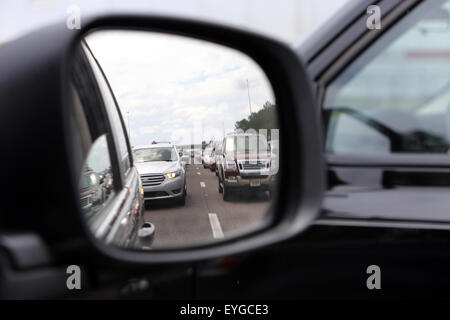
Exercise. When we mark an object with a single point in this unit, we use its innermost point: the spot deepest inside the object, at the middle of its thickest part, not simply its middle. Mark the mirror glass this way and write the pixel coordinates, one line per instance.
(180, 139)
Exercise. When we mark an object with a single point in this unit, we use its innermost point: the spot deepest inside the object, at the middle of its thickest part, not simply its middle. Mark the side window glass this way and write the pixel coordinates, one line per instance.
(96, 181)
(113, 113)
(229, 145)
(395, 97)
(351, 134)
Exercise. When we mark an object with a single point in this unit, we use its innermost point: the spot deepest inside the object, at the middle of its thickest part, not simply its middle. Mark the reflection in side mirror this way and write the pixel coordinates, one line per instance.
(95, 191)
(210, 101)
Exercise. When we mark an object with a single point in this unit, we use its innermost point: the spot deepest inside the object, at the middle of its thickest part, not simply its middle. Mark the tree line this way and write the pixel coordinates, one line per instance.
(266, 118)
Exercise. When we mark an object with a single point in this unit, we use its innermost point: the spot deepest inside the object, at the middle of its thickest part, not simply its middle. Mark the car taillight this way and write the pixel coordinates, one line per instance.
(231, 168)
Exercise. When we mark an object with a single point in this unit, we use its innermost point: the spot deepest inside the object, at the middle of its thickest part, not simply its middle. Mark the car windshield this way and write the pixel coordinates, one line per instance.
(154, 154)
(251, 143)
(89, 179)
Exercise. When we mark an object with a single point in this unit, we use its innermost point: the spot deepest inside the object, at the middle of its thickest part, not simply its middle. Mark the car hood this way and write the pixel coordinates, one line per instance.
(157, 167)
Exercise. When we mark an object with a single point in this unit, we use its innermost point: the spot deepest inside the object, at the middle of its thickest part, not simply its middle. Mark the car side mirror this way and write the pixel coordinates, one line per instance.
(74, 96)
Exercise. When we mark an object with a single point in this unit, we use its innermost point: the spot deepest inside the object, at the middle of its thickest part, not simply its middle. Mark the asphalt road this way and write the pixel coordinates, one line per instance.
(205, 217)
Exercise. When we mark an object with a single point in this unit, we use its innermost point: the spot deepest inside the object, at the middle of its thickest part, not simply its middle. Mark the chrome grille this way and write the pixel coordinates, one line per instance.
(152, 180)
(84, 202)
(252, 165)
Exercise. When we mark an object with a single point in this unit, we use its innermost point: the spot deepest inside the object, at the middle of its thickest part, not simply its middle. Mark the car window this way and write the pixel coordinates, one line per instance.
(395, 97)
(219, 148)
(96, 181)
(229, 145)
(155, 154)
(246, 144)
(113, 113)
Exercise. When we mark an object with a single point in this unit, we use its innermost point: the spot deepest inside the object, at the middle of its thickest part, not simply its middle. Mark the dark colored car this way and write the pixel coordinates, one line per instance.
(218, 153)
(383, 99)
(385, 103)
(90, 190)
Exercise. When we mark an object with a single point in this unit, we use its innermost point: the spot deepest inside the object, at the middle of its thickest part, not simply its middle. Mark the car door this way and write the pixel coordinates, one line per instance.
(119, 222)
(385, 105)
(384, 99)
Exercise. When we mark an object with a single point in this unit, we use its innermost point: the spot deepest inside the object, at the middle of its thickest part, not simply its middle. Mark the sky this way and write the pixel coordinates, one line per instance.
(211, 91)
(172, 88)
(290, 21)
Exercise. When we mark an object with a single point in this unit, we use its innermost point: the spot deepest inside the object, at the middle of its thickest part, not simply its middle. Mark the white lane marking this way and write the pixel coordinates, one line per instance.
(198, 173)
(215, 226)
(202, 184)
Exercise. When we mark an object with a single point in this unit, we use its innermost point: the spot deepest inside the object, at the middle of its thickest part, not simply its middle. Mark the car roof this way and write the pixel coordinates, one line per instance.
(243, 134)
(156, 145)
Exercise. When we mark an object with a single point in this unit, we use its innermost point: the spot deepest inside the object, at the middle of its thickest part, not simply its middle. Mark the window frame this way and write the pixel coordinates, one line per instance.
(96, 115)
(107, 224)
(99, 126)
(344, 60)
(124, 173)
(328, 63)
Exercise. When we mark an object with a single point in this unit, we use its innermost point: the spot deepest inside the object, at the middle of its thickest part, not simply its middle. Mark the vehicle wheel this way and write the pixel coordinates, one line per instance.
(220, 186)
(226, 193)
(217, 173)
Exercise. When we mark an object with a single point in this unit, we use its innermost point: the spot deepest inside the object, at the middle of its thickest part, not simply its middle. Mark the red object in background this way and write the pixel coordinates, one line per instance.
(422, 54)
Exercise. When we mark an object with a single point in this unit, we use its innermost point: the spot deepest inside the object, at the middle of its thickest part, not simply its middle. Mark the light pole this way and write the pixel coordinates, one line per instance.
(249, 100)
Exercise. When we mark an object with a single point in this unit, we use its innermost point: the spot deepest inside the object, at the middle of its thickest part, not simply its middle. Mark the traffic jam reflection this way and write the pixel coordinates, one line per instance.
(200, 193)
(203, 135)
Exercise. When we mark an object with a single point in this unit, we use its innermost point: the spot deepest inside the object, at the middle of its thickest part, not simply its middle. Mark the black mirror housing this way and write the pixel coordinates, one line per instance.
(46, 111)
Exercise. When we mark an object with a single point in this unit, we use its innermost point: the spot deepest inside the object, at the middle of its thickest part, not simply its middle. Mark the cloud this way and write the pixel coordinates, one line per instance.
(147, 130)
(171, 87)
